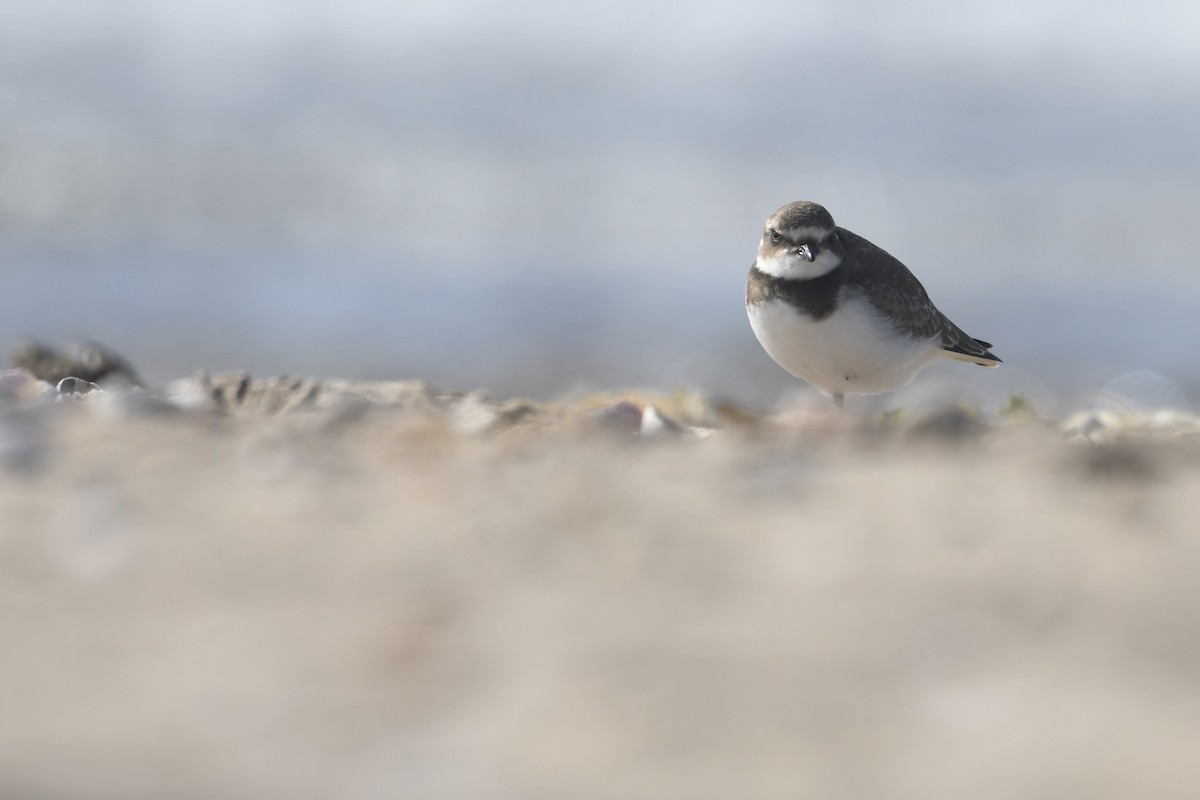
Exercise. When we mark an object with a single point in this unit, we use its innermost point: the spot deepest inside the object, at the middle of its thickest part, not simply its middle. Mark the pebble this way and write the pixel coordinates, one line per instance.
(74, 388)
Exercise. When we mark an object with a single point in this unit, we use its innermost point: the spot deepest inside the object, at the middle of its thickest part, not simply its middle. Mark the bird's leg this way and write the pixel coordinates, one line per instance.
(839, 400)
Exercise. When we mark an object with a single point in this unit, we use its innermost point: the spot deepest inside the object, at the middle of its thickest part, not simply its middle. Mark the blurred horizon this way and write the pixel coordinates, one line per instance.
(536, 197)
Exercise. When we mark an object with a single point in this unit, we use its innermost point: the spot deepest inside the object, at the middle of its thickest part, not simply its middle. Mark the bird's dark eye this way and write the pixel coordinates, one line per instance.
(775, 237)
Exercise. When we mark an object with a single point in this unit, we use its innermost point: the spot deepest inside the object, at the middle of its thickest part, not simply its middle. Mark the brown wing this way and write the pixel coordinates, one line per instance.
(898, 294)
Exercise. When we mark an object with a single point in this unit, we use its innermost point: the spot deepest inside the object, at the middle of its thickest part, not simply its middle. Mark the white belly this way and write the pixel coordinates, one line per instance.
(852, 351)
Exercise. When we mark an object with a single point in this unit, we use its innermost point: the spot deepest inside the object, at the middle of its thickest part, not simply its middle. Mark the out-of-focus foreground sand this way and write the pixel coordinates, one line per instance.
(382, 592)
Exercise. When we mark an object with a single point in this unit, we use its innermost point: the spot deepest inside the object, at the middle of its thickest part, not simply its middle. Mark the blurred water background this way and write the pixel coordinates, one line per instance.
(532, 196)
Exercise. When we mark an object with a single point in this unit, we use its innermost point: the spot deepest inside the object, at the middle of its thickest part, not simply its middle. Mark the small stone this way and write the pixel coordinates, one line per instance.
(623, 416)
(639, 418)
(75, 388)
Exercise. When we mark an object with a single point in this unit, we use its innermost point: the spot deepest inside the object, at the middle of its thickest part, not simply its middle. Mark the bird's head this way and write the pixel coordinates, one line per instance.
(799, 242)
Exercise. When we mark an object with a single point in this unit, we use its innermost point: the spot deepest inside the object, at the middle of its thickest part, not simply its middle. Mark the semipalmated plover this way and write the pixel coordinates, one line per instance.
(840, 313)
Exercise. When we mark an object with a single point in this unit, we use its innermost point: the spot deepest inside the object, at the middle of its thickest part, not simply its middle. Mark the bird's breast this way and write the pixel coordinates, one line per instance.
(853, 350)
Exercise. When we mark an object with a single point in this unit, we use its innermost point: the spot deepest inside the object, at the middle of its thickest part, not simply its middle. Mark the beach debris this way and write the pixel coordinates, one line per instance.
(88, 361)
(75, 388)
(639, 417)
(1105, 425)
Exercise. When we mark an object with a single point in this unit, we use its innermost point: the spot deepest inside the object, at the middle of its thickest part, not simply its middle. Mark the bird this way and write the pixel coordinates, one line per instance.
(843, 314)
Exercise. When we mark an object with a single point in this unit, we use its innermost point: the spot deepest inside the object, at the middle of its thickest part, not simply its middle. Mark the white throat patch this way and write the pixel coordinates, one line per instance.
(784, 263)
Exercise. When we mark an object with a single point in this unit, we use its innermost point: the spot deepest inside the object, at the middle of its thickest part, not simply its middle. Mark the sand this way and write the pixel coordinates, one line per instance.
(320, 589)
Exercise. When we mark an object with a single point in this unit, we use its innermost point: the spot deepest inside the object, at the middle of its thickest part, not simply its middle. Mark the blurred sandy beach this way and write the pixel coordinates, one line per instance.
(328, 589)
